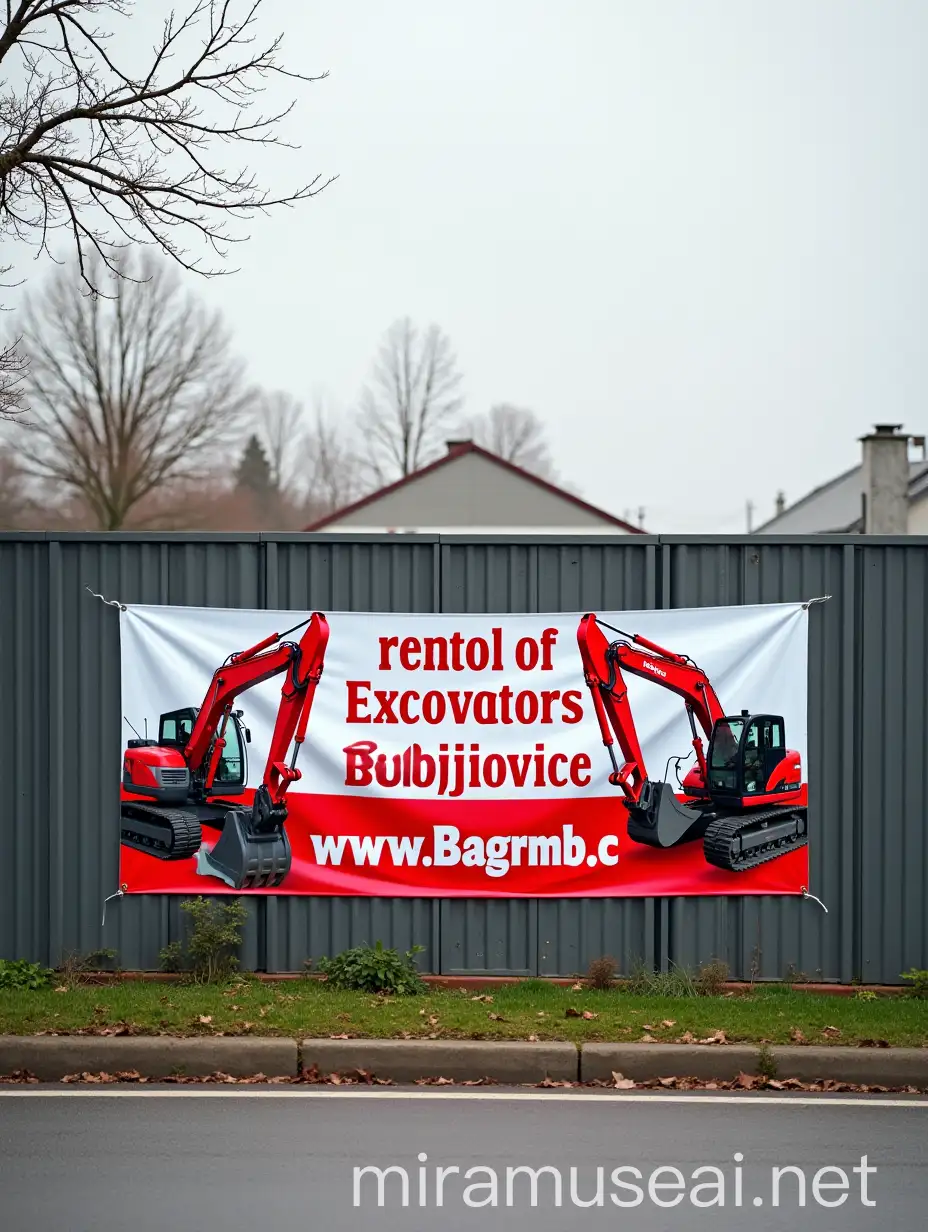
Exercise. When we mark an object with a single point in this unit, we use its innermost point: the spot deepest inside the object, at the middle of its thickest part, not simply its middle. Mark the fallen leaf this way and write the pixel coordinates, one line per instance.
(570, 1012)
(433, 1021)
(717, 1037)
(247, 1026)
(687, 1038)
(339, 1037)
(422, 1013)
(796, 1036)
(578, 987)
(62, 988)
(496, 1017)
(777, 1086)
(533, 1039)
(646, 1026)
(589, 1014)
(748, 1081)
(620, 1082)
(444, 1082)
(667, 1082)
(830, 1032)
(206, 1019)
(669, 1022)
(541, 1014)
(484, 997)
(647, 1038)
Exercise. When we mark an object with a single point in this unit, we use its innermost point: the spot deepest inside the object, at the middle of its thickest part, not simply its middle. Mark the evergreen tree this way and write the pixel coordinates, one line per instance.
(253, 478)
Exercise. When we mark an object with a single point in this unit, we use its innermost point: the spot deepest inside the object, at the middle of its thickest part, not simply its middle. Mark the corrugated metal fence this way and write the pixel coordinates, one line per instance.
(60, 744)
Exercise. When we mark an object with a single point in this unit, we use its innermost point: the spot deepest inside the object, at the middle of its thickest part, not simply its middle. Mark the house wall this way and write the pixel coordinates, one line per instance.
(469, 493)
(918, 515)
(61, 744)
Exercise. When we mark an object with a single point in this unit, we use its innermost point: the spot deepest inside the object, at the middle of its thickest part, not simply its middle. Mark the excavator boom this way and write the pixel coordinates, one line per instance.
(739, 829)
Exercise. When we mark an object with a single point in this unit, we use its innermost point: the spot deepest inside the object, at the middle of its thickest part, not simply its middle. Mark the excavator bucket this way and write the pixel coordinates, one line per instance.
(658, 819)
(244, 858)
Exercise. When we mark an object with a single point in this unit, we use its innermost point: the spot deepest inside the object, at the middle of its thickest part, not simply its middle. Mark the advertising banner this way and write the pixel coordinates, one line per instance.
(343, 753)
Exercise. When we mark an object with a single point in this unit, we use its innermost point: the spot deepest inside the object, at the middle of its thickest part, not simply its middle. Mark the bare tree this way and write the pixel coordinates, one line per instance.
(129, 394)
(412, 399)
(12, 370)
(282, 422)
(121, 157)
(334, 470)
(515, 434)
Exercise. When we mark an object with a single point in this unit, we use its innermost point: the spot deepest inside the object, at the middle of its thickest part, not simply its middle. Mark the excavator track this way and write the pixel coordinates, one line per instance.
(169, 834)
(737, 843)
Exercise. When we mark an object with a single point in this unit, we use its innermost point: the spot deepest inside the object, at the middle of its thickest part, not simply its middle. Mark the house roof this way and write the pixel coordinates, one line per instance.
(461, 449)
(834, 507)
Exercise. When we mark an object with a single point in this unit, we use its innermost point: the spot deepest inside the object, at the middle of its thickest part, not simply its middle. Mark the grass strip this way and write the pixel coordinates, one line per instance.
(531, 1009)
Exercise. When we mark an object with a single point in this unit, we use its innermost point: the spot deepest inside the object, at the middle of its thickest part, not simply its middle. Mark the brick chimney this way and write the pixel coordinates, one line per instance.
(456, 447)
(885, 481)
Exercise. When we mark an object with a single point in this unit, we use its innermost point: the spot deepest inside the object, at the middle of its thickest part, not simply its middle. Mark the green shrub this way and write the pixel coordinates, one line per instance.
(215, 935)
(710, 979)
(918, 980)
(26, 976)
(368, 968)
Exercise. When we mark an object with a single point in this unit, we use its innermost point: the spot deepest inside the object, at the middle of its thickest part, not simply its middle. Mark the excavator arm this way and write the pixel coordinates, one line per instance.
(302, 661)
(603, 663)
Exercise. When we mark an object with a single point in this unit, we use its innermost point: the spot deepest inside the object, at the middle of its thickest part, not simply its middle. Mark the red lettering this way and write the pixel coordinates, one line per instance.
(519, 764)
(527, 654)
(405, 699)
(580, 761)
(457, 643)
(433, 706)
(505, 697)
(497, 650)
(527, 707)
(555, 781)
(409, 647)
(385, 644)
(385, 700)
(548, 639)
(497, 776)
(485, 707)
(431, 645)
(359, 764)
(460, 704)
(573, 707)
(477, 654)
(355, 702)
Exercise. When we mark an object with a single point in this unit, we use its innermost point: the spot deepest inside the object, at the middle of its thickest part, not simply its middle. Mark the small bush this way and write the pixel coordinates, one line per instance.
(171, 958)
(24, 976)
(766, 1062)
(864, 994)
(368, 968)
(710, 979)
(215, 935)
(601, 972)
(78, 968)
(918, 980)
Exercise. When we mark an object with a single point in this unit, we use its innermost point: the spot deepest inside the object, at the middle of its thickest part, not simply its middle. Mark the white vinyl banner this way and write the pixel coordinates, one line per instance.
(426, 712)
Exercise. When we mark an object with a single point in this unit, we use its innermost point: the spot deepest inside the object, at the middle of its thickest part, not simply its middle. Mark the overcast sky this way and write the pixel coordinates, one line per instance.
(689, 235)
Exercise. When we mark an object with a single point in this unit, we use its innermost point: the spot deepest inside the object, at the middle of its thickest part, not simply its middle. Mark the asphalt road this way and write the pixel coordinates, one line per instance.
(221, 1160)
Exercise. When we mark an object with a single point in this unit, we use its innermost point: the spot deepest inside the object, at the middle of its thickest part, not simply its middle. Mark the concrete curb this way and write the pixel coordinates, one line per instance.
(51, 1058)
(889, 1067)
(507, 1061)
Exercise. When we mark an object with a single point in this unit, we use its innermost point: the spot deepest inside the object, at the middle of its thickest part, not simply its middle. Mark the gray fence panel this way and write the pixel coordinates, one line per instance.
(310, 928)
(336, 573)
(891, 758)
(24, 776)
(60, 738)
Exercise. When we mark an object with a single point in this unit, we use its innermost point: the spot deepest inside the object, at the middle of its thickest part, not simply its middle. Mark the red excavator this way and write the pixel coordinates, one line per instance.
(744, 797)
(199, 759)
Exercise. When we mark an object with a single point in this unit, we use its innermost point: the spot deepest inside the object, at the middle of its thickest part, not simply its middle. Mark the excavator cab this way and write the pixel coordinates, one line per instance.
(175, 728)
(746, 756)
